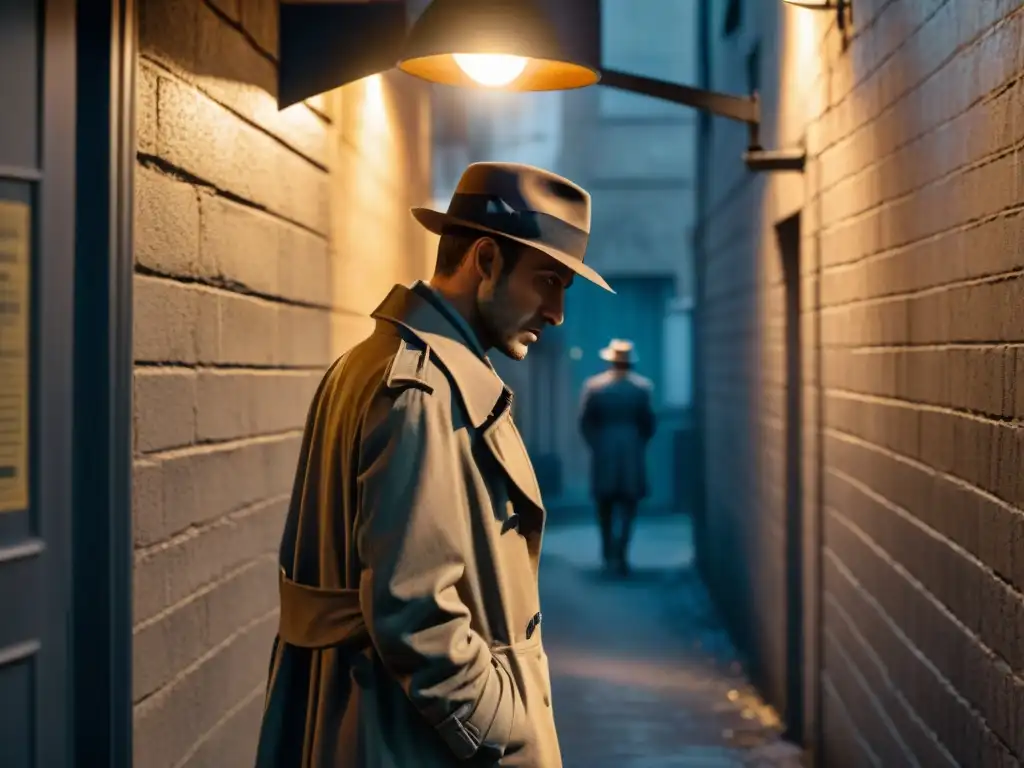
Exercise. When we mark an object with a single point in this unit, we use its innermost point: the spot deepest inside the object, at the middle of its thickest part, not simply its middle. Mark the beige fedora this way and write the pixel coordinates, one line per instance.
(619, 351)
(526, 204)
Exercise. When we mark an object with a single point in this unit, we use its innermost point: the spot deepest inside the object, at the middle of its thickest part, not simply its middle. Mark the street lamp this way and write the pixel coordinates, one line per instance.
(520, 45)
(517, 45)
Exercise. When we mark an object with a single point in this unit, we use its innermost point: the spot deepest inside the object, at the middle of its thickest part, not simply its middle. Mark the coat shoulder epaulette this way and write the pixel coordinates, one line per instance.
(411, 367)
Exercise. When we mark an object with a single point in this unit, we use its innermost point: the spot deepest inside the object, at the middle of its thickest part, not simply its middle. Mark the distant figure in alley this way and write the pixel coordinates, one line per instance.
(617, 421)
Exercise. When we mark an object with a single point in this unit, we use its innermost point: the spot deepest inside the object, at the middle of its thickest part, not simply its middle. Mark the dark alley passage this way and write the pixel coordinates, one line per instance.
(643, 675)
(759, 260)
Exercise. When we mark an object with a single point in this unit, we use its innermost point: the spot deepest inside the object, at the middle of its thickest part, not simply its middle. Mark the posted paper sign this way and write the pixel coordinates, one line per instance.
(15, 258)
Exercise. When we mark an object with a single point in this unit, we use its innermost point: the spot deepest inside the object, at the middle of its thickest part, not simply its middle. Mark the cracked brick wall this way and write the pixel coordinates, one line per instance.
(909, 269)
(263, 240)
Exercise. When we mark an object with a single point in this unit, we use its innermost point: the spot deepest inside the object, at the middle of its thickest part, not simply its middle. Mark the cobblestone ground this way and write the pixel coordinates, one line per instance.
(643, 675)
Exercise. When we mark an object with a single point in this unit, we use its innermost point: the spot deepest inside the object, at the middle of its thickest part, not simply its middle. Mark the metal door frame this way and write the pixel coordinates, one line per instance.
(51, 374)
(102, 561)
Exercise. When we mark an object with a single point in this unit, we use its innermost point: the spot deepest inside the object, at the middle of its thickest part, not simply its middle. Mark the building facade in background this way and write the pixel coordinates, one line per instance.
(636, 155)
(860, 375)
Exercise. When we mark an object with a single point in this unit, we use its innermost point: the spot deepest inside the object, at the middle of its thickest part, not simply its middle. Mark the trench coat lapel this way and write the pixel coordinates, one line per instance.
(484, 395)
(506, 445)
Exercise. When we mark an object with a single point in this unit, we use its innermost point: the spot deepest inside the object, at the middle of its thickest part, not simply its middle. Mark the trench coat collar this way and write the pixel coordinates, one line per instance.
(479, 386)
(451, 314)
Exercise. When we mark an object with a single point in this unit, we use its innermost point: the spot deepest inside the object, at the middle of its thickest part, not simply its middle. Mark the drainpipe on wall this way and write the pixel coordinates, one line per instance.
(699, 511)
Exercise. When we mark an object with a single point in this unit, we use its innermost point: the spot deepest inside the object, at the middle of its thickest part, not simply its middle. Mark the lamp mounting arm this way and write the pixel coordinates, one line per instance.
(744, 109)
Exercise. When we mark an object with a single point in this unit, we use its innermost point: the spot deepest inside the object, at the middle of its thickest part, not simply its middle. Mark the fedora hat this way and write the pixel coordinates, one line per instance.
(618, 351)
(525, 204)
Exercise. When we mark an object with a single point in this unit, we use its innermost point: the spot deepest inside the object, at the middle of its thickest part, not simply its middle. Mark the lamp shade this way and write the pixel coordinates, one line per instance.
(513, 44)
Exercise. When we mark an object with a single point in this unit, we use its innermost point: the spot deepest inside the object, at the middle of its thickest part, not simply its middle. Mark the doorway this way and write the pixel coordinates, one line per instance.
(37, 217)
(788, 239)
(66, 160)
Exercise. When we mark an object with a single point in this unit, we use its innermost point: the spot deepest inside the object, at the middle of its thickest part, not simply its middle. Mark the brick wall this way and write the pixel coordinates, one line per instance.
(909, 272)
(263, 239)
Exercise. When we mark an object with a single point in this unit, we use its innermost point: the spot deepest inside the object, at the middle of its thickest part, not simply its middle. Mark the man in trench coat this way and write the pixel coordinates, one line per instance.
(410, 630)
(617, 422)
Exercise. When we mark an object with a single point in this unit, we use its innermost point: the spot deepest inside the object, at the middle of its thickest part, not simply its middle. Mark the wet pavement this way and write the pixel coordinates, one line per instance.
(643, 675)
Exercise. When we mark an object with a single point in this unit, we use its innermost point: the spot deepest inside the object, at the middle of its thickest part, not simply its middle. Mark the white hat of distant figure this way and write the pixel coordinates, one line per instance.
(620, 352)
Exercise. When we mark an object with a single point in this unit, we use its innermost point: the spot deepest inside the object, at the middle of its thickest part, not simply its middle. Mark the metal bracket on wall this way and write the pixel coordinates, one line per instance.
(775, 159)
(745, 109)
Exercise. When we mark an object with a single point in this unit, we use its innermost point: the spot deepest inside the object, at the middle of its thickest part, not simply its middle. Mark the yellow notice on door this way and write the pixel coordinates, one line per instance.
(15, 260)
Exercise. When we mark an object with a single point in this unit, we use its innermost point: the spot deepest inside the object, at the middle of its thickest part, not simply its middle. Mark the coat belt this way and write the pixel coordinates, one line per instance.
(318, 617)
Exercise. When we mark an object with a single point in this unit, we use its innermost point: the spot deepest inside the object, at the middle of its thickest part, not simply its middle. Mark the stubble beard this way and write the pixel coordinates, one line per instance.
(497, 324)
(514, 350)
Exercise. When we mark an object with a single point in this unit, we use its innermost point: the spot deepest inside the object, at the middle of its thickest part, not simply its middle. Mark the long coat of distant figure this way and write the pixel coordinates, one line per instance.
(617, 421)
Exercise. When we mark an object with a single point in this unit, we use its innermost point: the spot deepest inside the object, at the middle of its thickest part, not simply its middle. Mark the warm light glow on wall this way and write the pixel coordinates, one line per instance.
(807, 28)
(373, 132)
(377, 174)
(365, 216)
(801, 65)
(374, 108)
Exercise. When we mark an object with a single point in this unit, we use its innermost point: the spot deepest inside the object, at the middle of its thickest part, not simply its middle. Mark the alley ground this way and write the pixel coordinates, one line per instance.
(643, 675)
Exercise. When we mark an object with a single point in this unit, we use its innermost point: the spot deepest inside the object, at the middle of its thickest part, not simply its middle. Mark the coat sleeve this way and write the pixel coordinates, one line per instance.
(413, 537)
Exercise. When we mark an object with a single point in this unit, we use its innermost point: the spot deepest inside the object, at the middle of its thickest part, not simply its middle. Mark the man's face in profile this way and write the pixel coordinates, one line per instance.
(517, 305)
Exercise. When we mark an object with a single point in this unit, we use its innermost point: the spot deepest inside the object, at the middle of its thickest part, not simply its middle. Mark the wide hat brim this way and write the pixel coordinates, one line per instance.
(438, 221)
(610, 355)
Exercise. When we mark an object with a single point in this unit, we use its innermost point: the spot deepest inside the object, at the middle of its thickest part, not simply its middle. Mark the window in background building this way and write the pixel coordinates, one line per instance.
(733, 21)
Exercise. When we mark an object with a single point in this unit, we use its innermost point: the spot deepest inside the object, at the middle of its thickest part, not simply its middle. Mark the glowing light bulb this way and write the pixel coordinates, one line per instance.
(493, 70)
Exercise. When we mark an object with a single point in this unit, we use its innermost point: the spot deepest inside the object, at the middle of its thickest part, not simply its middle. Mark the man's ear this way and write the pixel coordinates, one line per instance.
(486, 258)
